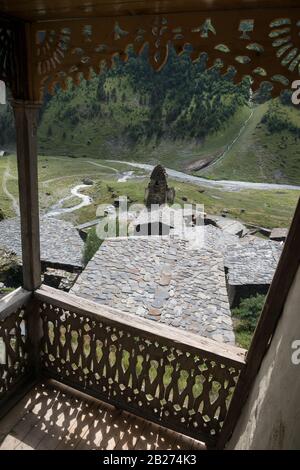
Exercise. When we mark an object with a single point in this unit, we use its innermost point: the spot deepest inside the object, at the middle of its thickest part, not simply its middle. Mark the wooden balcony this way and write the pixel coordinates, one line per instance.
(54, 417)
(179, 381)
(175, 380)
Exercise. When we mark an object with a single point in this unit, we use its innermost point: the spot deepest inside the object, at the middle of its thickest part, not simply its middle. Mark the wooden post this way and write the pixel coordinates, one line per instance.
(26, 133)
(283, 278)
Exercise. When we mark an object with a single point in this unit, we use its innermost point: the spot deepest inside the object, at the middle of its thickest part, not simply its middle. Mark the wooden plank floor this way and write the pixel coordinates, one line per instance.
(52, 416)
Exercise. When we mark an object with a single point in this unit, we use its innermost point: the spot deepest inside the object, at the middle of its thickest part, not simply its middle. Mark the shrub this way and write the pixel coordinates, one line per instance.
(93, 242)
(248, 312)
(92, 245)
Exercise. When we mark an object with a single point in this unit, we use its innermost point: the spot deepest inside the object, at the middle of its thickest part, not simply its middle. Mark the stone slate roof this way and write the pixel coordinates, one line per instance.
(252, 261)
(60, 241)
(160, 279)
(218, 240)
(228, 225)
(249, 260)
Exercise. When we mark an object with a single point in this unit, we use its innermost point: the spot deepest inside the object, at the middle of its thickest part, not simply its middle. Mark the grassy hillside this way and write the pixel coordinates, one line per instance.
(134, 113)
(267, 150)
(185, 116)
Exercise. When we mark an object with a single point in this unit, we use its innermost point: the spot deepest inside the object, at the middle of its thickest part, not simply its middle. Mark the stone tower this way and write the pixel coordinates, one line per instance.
(158, 191)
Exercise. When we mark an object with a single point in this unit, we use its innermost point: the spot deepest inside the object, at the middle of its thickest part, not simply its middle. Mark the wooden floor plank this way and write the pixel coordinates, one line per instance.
(17, 413)
(20, 432)
(148, 438)
(99, 433)
(130, 437)
(36, 422)
(57, 423)
(79, 426)
(53, 416)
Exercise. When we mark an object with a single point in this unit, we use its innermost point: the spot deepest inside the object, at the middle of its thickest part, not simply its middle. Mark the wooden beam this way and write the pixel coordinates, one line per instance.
(26, 132)
(12, 301)
(284, 276)
(35, 10)
(189, 342)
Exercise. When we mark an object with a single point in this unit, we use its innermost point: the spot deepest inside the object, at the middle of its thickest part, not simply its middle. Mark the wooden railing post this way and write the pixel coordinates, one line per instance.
(273, 308)
(26, 114)
(35, 334)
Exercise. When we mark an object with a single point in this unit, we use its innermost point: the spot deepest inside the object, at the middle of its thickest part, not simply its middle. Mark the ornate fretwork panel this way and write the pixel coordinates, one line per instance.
(264, 44)
(179, 386)
(14, 357)
(7, 57)
(14, 62)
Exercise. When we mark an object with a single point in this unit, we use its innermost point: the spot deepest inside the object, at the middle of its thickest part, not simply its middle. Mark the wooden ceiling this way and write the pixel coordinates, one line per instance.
(34, 10)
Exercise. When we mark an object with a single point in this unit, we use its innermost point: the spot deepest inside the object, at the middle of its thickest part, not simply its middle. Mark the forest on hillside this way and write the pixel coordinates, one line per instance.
(183, 100)
(133, 112)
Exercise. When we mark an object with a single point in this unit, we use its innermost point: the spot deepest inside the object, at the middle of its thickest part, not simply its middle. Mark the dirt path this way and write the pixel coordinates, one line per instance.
(231, 144)
(8, 176)
(57, 209)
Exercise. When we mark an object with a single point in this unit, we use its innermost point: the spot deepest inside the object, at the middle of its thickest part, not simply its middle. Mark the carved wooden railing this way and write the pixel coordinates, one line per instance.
(15, 367)
(179, 380)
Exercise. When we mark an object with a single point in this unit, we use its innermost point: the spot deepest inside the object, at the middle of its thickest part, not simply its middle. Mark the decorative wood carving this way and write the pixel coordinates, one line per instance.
(14, 357)
(7, 53)
(180, 386)
(15, 64)
(264, 44)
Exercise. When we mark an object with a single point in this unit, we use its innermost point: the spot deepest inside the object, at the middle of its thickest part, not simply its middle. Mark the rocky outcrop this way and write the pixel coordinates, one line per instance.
(158, 191)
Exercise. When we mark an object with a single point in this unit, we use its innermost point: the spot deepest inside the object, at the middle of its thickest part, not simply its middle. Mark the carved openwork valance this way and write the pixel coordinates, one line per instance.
(264, 44)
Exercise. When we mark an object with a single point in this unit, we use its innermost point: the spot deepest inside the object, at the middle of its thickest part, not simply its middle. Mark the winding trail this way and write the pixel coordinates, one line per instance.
(231, 144)
(58, 210)
(103, 166)
(7, 176)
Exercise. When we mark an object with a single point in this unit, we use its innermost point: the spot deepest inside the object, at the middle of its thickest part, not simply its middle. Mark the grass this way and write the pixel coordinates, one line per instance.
(6, 290)
(179, 154)
(256, 156)
(58, 175)
(245, 317)
(243, 338)
(261, 156)
(91, 246)
(102, 138)
(265, 208)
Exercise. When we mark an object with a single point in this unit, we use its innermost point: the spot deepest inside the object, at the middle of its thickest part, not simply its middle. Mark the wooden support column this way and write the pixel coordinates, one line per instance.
(26, 114)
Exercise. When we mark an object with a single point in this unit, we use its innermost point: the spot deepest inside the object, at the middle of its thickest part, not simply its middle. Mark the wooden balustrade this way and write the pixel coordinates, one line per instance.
(14, 345)
(177, 379)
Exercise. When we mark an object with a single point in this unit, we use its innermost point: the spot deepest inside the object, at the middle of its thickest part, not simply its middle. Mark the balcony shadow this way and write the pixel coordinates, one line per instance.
(57, 417)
